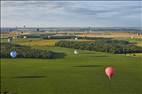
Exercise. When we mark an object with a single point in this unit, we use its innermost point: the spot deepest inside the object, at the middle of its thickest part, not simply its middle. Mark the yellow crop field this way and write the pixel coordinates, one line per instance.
(139, 44)
(37, 42)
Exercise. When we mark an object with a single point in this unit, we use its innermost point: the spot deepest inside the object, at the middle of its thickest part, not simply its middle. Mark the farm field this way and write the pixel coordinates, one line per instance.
(69, 47)
(74, 74)
(38, 42)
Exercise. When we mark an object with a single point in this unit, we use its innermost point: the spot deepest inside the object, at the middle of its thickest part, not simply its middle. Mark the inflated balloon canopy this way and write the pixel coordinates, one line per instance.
(75, 52)
(76, 38)
(110, 72)
(13, 54)
(9, 40)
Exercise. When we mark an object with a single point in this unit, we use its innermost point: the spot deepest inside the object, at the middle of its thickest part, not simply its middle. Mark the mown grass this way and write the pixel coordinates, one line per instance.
(74, 74)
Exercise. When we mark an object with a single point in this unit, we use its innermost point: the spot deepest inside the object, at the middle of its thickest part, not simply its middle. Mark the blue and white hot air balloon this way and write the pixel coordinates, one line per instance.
(13, 54)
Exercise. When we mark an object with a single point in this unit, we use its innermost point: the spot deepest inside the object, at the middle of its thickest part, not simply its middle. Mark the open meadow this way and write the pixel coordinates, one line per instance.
(71, 47)
(82, 73)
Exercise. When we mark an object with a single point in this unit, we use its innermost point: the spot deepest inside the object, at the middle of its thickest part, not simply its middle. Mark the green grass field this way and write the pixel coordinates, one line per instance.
(74, 74)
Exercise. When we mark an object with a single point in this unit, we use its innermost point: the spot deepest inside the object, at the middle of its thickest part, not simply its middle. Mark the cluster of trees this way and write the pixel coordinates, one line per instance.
(27, 52)
(59, 37)
(102, 45)
(93, 38)
(30, 36)
(71, 37)
(52, 36)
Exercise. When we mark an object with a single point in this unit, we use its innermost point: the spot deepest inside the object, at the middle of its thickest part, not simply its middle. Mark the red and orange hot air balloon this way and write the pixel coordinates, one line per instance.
(110, 72)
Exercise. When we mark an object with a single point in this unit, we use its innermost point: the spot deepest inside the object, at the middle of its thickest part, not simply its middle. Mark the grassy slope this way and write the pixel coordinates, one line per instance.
(75, 74)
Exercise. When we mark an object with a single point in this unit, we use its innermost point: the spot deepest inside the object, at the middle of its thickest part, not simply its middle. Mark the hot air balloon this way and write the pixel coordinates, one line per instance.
(25, 37)
(13, 54)
(76, 38)
(49, 37)
(75, 52)
(110, 71)
(9, 40)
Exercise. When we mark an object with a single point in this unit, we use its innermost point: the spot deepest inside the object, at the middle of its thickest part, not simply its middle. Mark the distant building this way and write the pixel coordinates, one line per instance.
(14, 37)
(132, 37)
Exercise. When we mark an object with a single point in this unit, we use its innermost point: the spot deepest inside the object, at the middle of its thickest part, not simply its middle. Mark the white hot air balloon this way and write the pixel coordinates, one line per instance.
(25, 37)
(75, 52)
(76, 38)
(9, 40)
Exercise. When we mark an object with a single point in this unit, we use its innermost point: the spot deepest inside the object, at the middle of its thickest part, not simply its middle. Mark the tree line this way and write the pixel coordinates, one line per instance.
(102, 45)
(52, 36)
(27, 52)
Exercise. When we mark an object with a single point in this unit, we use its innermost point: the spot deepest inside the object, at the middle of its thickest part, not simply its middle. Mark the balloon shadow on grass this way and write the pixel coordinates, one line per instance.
(100, 56)
(28, 77)
(89, 66)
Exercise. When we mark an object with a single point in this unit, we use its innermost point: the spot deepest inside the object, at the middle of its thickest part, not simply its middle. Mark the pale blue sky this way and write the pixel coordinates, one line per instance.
(71, 13)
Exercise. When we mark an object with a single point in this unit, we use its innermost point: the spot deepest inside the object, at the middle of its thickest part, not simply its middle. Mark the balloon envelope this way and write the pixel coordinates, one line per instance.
(75, 52)
(76, 38)
(9, 40)
(13, 54)
(110, 71)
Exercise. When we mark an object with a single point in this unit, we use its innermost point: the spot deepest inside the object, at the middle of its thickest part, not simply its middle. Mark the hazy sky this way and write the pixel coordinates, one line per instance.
(71, 13)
